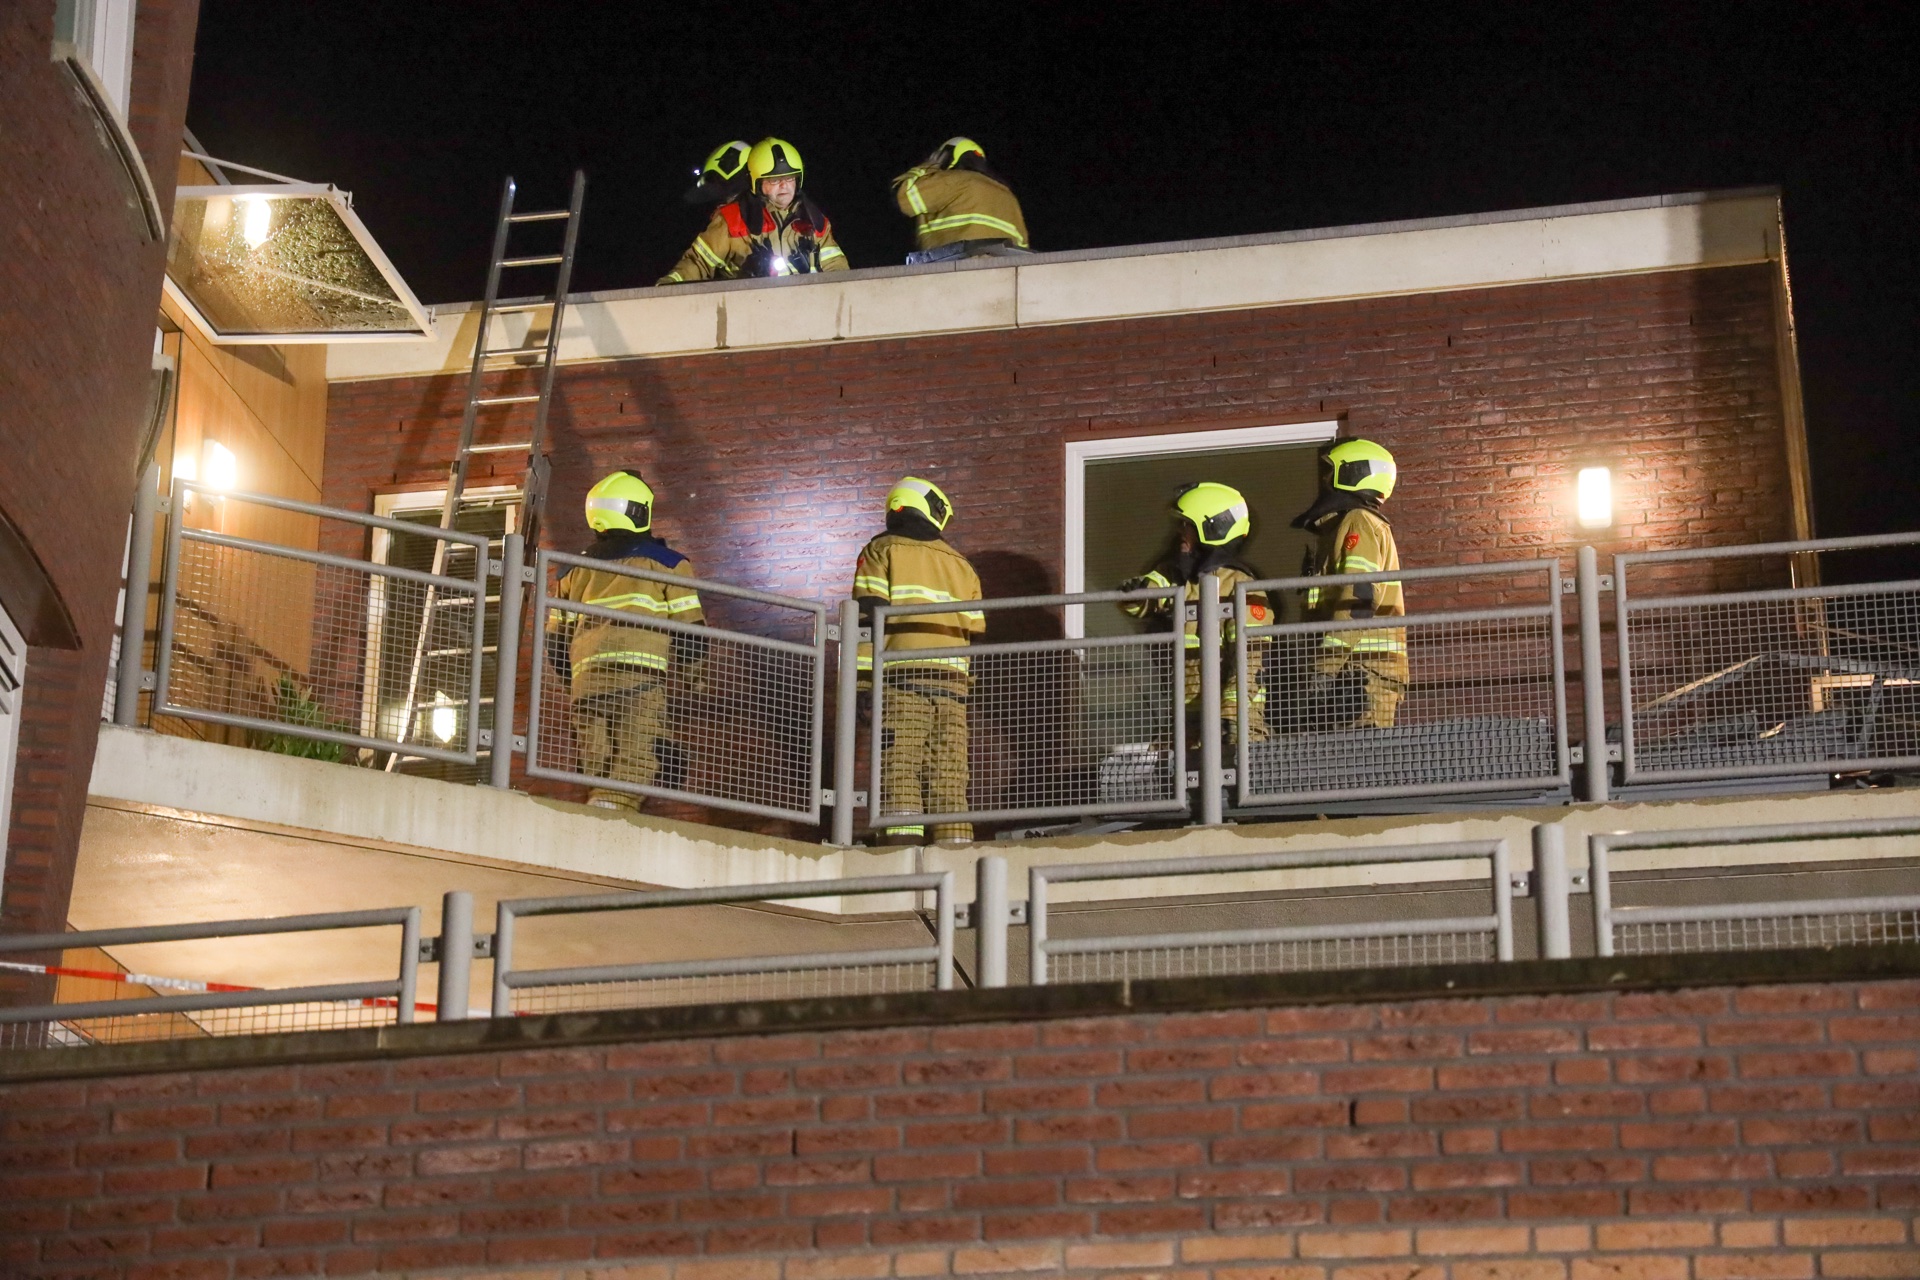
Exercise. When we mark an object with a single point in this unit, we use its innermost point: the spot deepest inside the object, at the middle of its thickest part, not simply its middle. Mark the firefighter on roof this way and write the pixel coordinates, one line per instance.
(958, 205)
(772, 230)
(620, 673)
(1361, 674)
(923, 704)
(1212, 523)
(722, 177)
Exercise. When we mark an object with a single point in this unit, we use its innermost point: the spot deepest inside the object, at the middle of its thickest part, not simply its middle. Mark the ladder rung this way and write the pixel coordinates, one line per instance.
(499, 448)
(539, 260)
(507, 399)
(549, 215)
(514, 351)
(505, 307)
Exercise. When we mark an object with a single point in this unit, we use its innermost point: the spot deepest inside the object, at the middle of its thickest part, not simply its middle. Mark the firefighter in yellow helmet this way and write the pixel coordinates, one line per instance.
(960, 207)
(923, 704)
(1212, 524)
(771, 230)
(620, 671)
(1360, 674)
(722, 176)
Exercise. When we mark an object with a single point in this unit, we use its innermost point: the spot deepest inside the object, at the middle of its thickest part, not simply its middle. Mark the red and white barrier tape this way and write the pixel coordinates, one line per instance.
(175, 984)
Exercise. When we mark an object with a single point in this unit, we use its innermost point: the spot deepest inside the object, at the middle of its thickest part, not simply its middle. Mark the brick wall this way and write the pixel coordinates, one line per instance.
(1697, 1135)
(772, 465)
(81, 285)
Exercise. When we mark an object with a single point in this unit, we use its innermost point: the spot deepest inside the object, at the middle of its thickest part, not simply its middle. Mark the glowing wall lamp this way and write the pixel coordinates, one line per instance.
(1593, 497)
(445, 721)
(222, 468)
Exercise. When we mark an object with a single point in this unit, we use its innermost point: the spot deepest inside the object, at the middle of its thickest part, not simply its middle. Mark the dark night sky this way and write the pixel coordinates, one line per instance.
(1130, 124)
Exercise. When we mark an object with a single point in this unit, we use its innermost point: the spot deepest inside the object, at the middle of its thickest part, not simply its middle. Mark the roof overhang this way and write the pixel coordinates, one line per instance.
(285, 262)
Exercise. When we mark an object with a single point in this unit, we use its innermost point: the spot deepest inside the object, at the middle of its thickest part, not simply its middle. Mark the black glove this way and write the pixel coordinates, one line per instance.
(1138, 583)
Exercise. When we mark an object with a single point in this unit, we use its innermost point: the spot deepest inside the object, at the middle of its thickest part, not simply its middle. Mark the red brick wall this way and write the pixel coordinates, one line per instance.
(81, 288)
(772, 465)
(1761, 1132)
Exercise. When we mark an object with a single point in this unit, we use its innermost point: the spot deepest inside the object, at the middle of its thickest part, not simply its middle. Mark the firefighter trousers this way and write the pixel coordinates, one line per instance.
(923, 760)
(622, 735)
(1373, 685)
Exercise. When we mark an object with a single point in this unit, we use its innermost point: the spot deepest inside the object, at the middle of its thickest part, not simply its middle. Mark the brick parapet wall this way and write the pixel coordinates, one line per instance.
(772, 464)
(1689, 1135)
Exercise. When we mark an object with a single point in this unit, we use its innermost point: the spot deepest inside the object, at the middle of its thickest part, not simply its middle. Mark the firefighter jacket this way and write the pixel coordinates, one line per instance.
(948, 205)
(600, 653)
(902, 568)
(750, 238)
(1359, 540)
(1231, 573)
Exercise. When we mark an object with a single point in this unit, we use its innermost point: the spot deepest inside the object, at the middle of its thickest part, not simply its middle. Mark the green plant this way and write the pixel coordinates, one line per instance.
(292, 705)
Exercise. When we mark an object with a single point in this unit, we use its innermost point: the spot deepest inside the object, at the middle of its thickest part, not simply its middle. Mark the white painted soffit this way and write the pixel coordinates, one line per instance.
(1529, 246)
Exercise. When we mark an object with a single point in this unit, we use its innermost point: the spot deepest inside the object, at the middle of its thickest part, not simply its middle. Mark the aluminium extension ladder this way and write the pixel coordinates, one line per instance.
(486, 360)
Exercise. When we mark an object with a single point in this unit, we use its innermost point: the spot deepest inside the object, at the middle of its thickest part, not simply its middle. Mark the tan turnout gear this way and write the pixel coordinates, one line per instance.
(948, 205)
(619, 674)
(1361, 541)
(750, 238)
(1258, 613)
(924, 703)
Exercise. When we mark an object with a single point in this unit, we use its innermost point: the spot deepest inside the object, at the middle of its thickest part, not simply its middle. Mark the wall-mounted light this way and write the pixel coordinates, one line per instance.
(1593, 497)
(223, 469)
(257, 222)
(445, 720)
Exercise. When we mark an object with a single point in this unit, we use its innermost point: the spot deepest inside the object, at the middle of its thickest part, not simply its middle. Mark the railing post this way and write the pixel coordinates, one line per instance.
(1037, 924)
(846, 722)
(506, 670)
(456, 954)
(133, 614)
(1209, 637)
(1592, 688)
(990, 919)
(502, 1004)
(1551, 886)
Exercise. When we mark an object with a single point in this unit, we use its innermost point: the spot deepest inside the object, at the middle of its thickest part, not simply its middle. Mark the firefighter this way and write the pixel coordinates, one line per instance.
(722, 177)
(1212, 523)
(959, 206)
(772, 230)
(1360, 675)
(620, 674)
(923, 765)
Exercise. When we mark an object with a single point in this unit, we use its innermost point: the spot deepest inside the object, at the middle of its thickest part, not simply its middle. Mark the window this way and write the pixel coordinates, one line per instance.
(1118, 492)
(13, 674)
(99, 33)
(392, 635)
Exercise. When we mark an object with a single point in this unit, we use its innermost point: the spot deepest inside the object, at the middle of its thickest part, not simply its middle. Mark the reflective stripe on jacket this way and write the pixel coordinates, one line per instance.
(597, 643)
(801, 234)
(897, 569)
(949, 205)
(1359, 542)
(1230, 577)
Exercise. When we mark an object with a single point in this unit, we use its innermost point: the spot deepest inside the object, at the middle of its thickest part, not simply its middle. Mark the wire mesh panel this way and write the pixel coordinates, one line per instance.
(1399, 938)
(1467, 693)
(1735, 665)
(645, 984)
(95, 1006)
(1811, 920)
(1027, 723)
(648, 683)
(310, 652)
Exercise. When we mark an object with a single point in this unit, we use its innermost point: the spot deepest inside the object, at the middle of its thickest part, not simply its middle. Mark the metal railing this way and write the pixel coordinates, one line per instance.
(712, 713)
(719, 980)
(1403, 940)
(1748, 926)
(262, 632)
(1481, 706)
(1725, 675)
(1049, 726)
(206, 1010)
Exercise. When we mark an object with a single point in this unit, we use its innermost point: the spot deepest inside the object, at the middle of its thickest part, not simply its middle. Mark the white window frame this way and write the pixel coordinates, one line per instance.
(13, 687)
(387, 504)
(100, 33)
(1081, 452)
